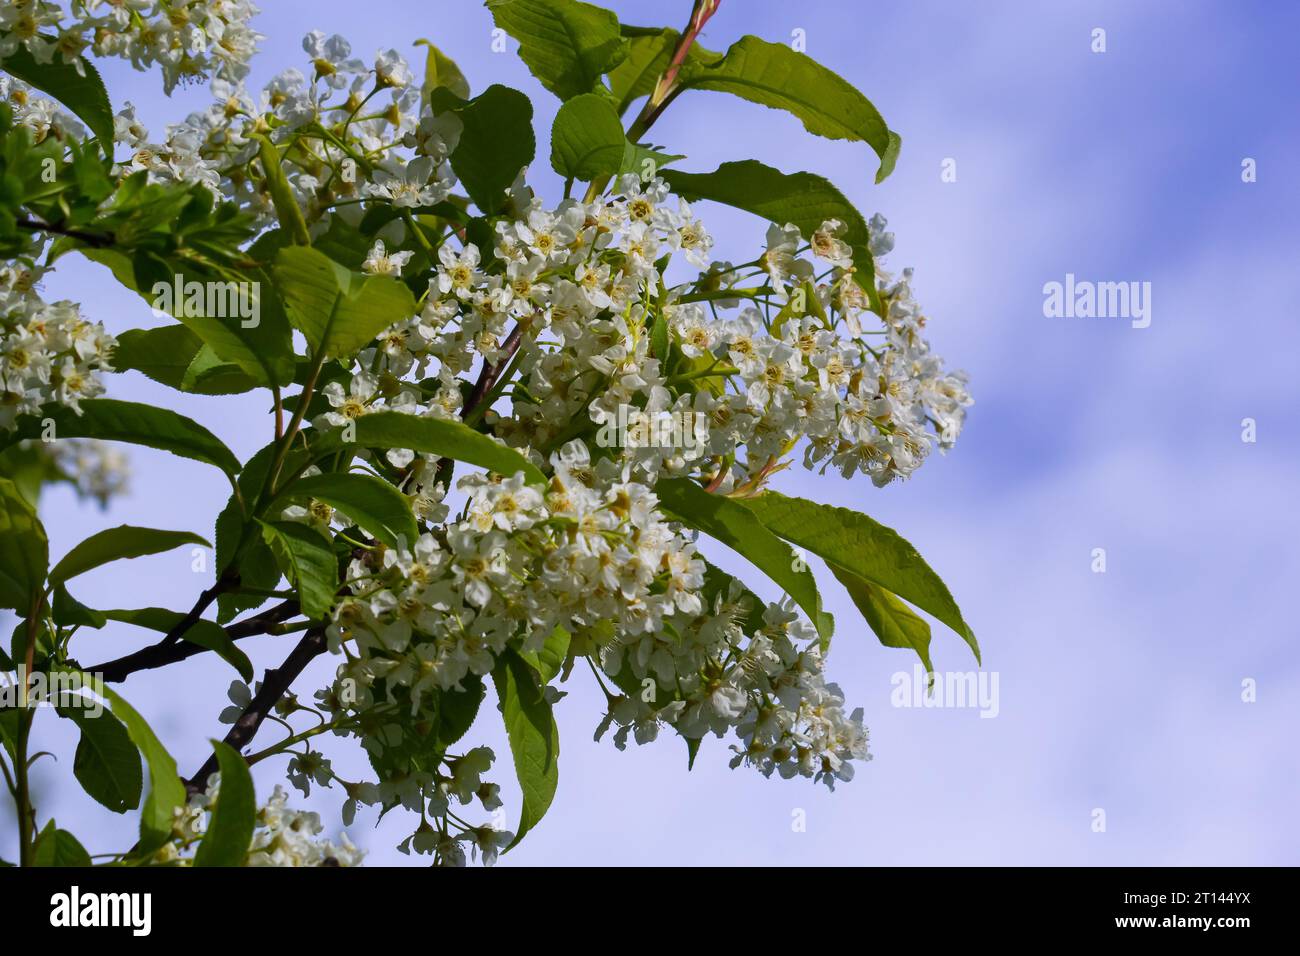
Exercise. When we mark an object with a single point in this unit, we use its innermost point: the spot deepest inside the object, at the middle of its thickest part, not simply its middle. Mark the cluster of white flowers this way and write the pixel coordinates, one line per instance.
(567, 298)
(97, 469)
(48, 352)
(281, 836)
(737, 666)
(41, 115)
(570, 310)
(361, 132)
(187, 39)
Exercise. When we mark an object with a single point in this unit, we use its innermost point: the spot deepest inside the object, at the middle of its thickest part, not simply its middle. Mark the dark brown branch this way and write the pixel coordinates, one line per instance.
(274, 686)
(89, 238)
(487, 377)
(223, 585)
(164, 653)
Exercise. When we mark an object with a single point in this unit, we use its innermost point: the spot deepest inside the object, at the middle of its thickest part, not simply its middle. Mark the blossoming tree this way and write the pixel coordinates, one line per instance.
(450, 495)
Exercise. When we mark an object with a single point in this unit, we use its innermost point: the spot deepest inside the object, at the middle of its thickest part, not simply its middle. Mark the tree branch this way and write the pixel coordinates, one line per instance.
(274, 686)
(487, 377)
(89, 238)
(223, 585)
(164, 653)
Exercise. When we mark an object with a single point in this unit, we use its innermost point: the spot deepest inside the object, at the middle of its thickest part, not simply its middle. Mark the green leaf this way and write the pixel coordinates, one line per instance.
(588, 142)
(308, 562)
(203, 633)
(458, 708)
(166, 792)
(441, 70)
(113, 544)
(286, 205)
(230, 831)
(893, 622)
(209, 374)
(496, 141)
(240, 546)
(434, 436)
(55, 847)
(370, 502)
(692, 751)
(107, 763)
(568, 46)
(69, 612)
(865, 548)
(339, 311)
(732, 524)
(263, 349)
(176, 357)
(112, 420)
(550, 659)
(24, 550)
(802, 199)
(84, 95)
(30, 466)
(774, 75)
(534, 737)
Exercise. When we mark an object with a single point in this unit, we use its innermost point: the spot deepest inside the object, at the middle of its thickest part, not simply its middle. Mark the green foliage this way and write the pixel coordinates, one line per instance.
(892, 621)
(157, 238)
(114, 544)
(67, 611)
(435, 436)
(81, 91)
(24, 550)
(567, 45)
(587, 142)
(373, 504)
(230, 830)
(534, 737)
(733, 525)
(339, 311)
(802, 199)
(308, 561)
(776, 76)
(496, 141)
(549, 661)
(263, 349)
(113, 420)
(166, 792)
(649, 51)
(441, 70)
(55, 847)
(865, 548)
(174, 356)
(107, 763)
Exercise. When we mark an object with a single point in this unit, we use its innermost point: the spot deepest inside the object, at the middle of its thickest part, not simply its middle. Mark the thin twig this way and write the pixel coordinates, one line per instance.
(163, 653)
(274, 686)
(89, 238)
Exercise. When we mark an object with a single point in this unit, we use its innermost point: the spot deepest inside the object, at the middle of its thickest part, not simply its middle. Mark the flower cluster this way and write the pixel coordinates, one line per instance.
(187, 39)
(737, 665)
(49, 354)
(541, 326)
(97, 470)
(281, 836)
(42, 116)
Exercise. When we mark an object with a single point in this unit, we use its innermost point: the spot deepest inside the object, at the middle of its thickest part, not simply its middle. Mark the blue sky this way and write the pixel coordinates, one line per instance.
(1119, 691)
